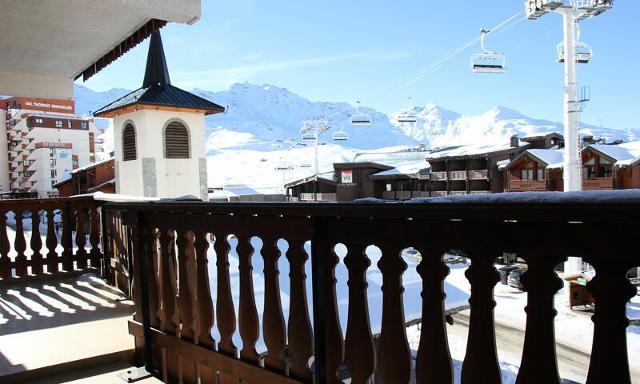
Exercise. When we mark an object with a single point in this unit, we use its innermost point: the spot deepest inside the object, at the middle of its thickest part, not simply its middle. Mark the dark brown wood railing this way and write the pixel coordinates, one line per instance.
(175, 314)
(64, 237)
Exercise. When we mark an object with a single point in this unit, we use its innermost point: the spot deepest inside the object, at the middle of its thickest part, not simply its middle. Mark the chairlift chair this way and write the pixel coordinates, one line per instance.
(487, 61)
(407, 116)
(308, 137)
(340, 135)
(584, 53)
(360, 118)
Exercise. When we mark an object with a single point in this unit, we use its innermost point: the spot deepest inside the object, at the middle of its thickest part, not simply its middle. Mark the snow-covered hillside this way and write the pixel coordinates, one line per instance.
(438, 127)
(259, 135)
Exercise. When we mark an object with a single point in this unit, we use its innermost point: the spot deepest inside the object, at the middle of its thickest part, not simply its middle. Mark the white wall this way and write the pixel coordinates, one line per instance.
(173, 177)
(4, 154)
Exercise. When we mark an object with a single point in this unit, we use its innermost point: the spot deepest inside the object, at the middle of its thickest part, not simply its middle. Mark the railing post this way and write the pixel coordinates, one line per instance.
(141, 286)
(318, 278)
(105, 238)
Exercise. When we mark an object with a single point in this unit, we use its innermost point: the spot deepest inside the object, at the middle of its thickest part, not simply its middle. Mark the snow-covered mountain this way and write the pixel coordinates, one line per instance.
(257, 141)
(266, 117)
(438, 127)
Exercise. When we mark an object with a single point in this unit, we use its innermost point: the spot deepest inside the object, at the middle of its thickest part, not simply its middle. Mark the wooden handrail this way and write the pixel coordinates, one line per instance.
(189, 236)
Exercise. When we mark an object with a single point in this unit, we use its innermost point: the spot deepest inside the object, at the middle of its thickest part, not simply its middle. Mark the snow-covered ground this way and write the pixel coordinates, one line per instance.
(573, 329)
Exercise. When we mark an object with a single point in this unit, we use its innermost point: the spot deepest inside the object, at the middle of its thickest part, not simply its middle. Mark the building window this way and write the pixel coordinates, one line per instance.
(84, 125)
(540, 175)
(68, 123)
(58, 123)
(527, 174)
(129, 142)
(38, 121)
(176, 141)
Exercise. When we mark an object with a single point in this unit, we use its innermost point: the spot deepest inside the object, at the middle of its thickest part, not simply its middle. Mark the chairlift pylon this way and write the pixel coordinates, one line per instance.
(360, 118)
(487, 61)
(407, 116)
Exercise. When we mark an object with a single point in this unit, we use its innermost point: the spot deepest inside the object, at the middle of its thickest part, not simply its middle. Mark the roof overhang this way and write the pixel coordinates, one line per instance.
(46, 45)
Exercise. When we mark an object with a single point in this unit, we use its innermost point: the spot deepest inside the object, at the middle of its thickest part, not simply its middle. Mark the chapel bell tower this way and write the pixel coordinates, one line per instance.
(159, 135)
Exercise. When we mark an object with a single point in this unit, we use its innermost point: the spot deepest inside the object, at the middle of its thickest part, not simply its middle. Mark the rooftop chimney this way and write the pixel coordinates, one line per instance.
(515, 143)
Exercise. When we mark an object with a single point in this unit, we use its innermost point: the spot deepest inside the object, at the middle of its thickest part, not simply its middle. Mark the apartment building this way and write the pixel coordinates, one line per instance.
(46, 141)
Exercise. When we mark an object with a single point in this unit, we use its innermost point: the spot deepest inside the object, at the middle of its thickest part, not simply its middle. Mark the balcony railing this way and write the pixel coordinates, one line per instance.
(458, 175)
(479, 174)
(438, 176)
(179, 255)
(526, 186)
(68, 242)
(597, 183)
(173, 245)
(317, 197)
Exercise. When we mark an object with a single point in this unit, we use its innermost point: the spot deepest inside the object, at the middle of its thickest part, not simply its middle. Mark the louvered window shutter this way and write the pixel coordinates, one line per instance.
(176, 141)
(129, 143)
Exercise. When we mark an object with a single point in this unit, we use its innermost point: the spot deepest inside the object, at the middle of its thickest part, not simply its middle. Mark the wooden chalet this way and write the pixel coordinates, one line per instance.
(405, 181)
(534, 170)
(97, 177)
(469, 169)
(320, 187)
(604, 167)
(354, 180)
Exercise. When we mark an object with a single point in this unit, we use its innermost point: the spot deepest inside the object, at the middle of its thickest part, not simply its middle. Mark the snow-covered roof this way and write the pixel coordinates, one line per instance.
(540, 134)
(551, 157)
(240, 190)
(468, 150)
(406, 168)
(625, 154)
(92, 165)
(326, 176)
(502, 164)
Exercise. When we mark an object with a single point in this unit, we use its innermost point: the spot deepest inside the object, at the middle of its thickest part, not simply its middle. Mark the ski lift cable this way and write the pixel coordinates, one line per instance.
(437, 63)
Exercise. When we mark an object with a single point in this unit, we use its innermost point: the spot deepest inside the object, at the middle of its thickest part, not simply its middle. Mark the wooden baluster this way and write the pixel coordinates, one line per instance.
(299, 334)
(433, 362)
(204, 307)
(81, 240)
(168, 299)
(325, 261)
(5, 247)
(394, 359)
(225, 311)
(611, 291)
(359, 348)
(36, 244)
(20, 245)
(153, 266)
(226, 315)
(248, 314)
(51, 242)
(67, 250)
(94, 238)
(481, 359)
(539, 364)
(186, 275)
(273, 320)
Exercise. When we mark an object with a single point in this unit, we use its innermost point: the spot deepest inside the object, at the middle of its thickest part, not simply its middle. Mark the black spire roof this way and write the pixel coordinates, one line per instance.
(157, 90)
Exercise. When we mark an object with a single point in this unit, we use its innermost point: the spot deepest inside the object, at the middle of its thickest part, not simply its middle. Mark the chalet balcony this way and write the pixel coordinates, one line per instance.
(282, 293)
(479, 174)
(458, 175)
(438, 193)
(526, 186)
(597, 183)
(457, 193)
(438, 176)
(317, 197)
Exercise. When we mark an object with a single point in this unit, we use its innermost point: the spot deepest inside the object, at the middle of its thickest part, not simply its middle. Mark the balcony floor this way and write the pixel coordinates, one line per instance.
(47, 323)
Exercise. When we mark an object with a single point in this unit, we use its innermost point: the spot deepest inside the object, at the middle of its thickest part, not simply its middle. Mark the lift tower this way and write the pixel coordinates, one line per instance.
(572, 12)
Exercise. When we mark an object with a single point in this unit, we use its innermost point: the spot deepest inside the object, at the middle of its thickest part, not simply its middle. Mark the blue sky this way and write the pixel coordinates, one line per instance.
(369, 49)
